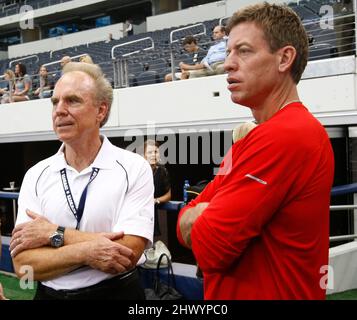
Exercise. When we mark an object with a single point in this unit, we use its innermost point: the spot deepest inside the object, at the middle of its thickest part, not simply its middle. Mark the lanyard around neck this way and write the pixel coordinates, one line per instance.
(77, 212)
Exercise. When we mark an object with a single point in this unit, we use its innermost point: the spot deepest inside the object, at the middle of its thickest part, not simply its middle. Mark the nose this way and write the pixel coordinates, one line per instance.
(229, 63)
(60, 109)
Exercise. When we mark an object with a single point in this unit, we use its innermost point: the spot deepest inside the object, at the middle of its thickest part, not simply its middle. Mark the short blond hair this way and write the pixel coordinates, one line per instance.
(103, 89)
(242, 130)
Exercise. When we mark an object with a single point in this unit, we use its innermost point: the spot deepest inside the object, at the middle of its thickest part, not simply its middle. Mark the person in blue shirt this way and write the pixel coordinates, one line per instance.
(213, 62)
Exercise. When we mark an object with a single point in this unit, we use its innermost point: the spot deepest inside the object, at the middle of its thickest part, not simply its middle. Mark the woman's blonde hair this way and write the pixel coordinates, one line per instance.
(242, 130)
(87, 59)
(10, 73)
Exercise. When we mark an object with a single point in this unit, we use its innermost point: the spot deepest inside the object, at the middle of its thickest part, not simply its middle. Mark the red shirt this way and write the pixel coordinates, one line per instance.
(265, 233)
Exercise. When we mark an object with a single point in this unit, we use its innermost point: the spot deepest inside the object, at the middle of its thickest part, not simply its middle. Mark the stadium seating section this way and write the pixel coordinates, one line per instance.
(150, 66)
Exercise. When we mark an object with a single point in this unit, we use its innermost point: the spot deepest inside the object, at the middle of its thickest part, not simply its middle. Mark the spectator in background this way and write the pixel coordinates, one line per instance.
(46, 84)
(64, 61)
(9, 76)
(110, 38)
(23, 84)
(86, 58)
(242, 130)
(128, 28)
(161, 176)
(213, 62)
(196, 54)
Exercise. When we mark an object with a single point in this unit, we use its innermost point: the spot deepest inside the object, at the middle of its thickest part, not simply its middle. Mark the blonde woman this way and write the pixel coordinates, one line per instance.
(9, 76)
(242, 130)
(87, 59)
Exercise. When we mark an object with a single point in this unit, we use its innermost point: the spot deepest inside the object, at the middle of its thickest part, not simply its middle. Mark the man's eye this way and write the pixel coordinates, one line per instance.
(243, 51)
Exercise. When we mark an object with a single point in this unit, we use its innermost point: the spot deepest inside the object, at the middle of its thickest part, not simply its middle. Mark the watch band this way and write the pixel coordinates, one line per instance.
(61, 229)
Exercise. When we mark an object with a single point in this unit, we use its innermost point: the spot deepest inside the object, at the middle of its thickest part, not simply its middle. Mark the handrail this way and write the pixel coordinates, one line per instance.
(221, 19)
(341, 238)
(59, 61)
(188, 27)
(25, 58)
(9, 195)
(131, 42)
(344, 189)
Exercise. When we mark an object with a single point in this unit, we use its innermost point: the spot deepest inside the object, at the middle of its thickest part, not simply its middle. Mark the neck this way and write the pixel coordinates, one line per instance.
(274, 103)
(80, 156)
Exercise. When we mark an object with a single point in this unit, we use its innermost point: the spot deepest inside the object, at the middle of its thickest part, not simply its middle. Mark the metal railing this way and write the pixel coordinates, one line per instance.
(23, 59)
(120, 66)
(341, 190)
(59, 61)
(132, 42)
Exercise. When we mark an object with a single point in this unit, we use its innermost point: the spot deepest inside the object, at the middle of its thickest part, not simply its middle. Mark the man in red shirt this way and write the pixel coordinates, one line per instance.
(260, 229)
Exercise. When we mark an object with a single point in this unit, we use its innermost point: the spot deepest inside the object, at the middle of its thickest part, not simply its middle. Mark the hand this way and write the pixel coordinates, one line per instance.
(108, 256)
(31, 235)
(188, 219)
(200, 207)
(2, 297)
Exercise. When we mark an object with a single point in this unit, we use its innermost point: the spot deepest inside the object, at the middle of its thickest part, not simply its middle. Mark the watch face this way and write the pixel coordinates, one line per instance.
(57, 240)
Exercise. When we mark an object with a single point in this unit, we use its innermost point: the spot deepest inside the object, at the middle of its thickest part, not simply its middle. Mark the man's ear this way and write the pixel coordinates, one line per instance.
(287, 57)
(102, 111)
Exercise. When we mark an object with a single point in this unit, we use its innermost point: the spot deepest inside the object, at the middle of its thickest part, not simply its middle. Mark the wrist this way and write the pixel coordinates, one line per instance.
(157, 201)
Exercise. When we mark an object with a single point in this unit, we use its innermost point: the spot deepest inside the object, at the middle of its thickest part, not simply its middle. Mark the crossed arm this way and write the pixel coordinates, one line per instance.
(109, 252)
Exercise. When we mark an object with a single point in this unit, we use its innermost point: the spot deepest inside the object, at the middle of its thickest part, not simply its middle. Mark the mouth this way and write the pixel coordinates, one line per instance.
(64, 124)
(233, 83)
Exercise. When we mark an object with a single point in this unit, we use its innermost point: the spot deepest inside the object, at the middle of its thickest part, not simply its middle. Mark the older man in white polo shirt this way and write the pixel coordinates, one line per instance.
(85, 214)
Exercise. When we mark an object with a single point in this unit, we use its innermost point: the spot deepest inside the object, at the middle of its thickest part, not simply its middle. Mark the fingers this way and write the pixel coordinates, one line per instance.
(18, 228)
(17, 249)
(15, 241)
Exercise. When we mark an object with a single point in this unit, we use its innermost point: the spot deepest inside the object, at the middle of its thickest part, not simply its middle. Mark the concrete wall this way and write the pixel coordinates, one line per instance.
(343, 264)
(202, 102)
(66, 41)
(209, 11)
(187, 16)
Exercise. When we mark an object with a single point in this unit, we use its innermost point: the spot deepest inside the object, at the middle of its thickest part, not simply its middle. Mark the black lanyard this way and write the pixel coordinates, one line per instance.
(78, 213)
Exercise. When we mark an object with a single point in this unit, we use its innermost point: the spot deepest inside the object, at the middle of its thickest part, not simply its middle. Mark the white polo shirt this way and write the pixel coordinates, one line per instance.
(120, 198)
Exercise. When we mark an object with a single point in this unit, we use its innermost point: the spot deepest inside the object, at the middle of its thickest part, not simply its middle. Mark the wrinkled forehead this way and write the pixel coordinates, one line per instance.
(76, 82)
(246, 32)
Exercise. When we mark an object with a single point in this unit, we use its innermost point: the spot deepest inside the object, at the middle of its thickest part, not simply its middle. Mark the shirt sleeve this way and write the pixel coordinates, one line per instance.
(27, 198)
(136, 216)
(245, 201)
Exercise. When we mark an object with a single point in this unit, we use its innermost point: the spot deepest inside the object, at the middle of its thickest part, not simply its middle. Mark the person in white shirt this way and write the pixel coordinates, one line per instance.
(86, 214)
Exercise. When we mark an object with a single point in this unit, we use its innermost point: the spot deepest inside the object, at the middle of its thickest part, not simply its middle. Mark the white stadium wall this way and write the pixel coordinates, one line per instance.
(213, 10)
(66, 41)
(187, 16)
(196, 103)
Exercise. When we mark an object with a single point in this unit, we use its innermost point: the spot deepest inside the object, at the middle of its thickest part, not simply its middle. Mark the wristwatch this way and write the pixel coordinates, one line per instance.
(57, 239)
